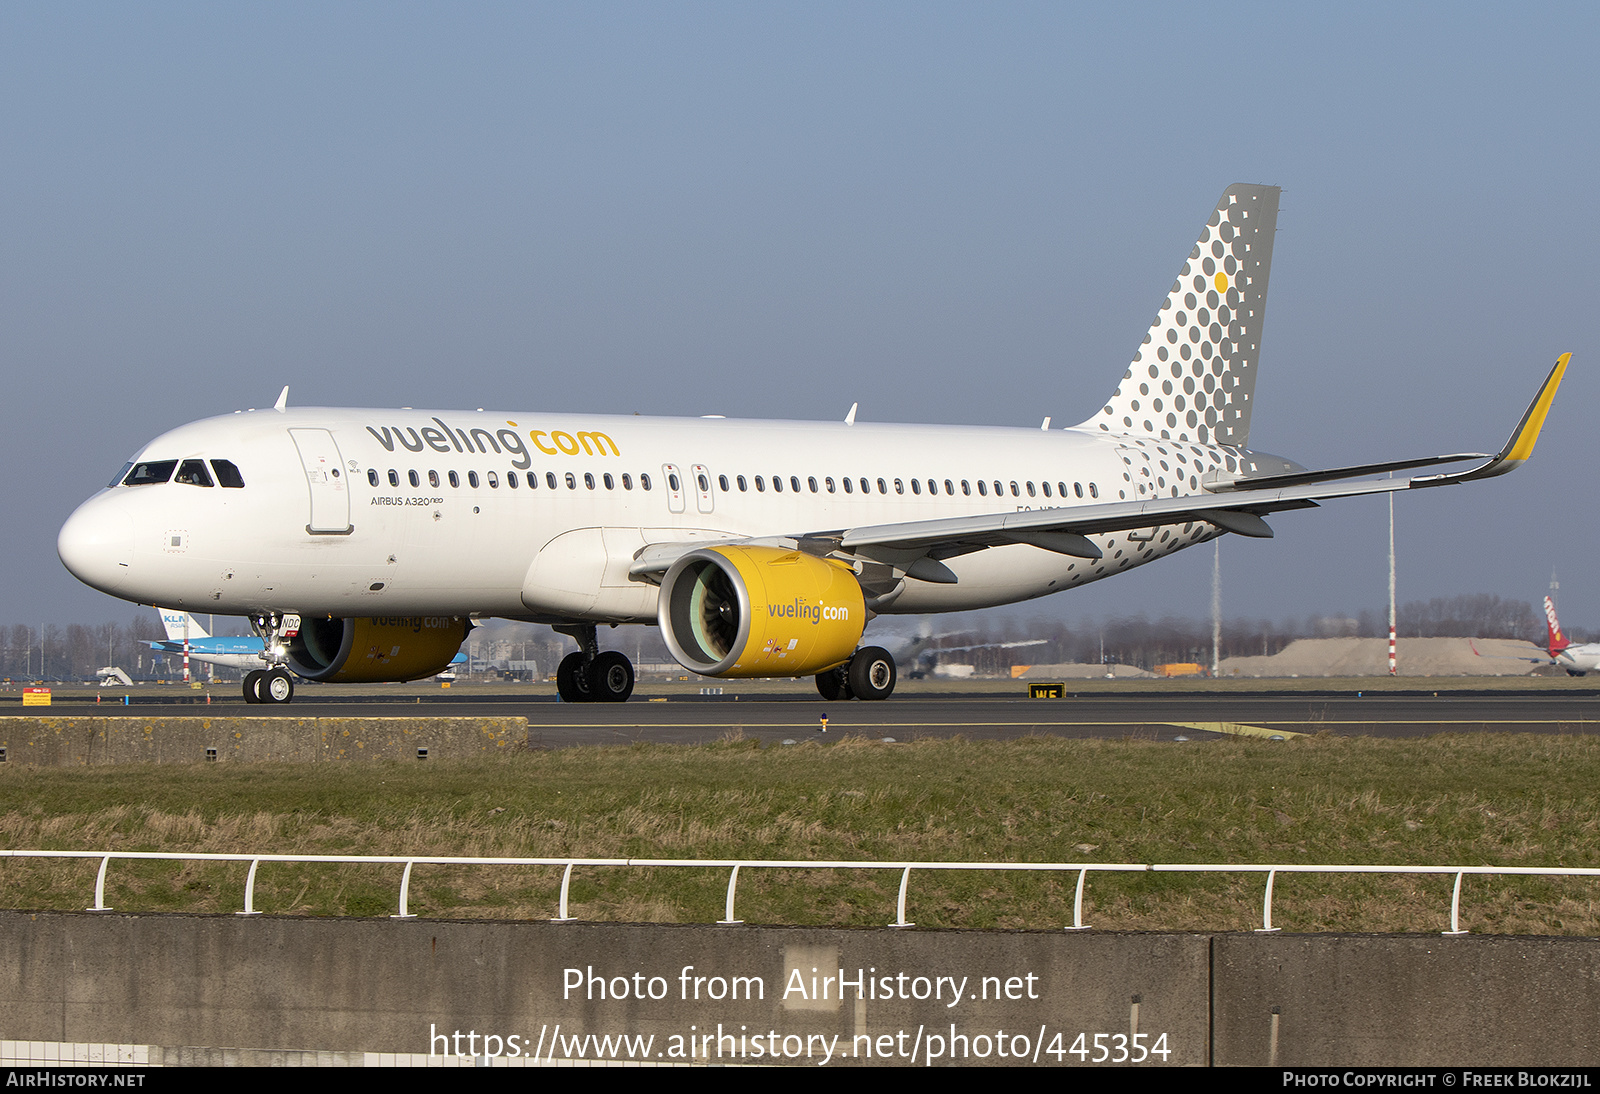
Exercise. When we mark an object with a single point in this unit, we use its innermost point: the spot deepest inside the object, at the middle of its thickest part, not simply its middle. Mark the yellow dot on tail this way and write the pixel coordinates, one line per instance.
(1222, 281)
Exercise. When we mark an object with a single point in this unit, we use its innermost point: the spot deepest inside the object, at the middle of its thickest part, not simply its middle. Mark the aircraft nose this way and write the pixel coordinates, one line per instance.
(96, 544)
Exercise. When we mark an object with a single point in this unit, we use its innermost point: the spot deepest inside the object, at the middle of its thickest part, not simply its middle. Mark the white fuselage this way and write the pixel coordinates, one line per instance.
(1581, 659)
(328, 520)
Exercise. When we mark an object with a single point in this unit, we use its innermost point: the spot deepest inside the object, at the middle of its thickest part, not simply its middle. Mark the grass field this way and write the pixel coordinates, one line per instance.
(1506, 800)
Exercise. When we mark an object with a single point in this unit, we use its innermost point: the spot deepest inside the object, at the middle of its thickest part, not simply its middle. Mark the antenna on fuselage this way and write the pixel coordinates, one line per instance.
(283, 399)
(850, 418)
(1046, 424)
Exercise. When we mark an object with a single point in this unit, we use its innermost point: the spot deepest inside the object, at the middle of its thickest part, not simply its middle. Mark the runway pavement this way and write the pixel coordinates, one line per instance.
(684, 717)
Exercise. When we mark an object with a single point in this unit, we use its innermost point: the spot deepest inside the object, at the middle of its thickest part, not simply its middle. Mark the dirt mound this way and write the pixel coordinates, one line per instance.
(1370, 657)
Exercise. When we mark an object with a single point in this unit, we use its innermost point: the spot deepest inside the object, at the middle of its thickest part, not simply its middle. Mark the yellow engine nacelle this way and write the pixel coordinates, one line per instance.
(371, 651)
(760, 611)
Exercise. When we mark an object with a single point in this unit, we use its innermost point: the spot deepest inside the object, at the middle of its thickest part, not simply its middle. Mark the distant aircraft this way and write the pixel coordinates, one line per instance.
(1577, 660)
(920, 654)
(244, 654)
(184, 630)
(361, 543)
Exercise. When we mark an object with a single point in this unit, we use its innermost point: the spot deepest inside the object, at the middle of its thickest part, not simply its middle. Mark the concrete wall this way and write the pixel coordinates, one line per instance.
(81, 741)
(1418, 1000)
(408, 986)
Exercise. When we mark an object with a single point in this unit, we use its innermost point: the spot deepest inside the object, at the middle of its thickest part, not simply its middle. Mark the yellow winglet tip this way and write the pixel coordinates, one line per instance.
(1521, 446)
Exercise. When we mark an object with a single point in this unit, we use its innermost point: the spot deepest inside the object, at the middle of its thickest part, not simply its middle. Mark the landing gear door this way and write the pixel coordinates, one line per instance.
(330, 492)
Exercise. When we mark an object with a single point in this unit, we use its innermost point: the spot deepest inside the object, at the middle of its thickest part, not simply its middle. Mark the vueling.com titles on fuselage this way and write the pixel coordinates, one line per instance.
(502, 441)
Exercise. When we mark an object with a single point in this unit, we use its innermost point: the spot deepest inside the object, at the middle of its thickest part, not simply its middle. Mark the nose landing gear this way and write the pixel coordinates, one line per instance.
(272, 684)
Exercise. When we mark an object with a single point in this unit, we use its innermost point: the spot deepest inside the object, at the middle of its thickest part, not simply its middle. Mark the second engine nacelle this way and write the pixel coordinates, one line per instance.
(760, 611)
(381, 650)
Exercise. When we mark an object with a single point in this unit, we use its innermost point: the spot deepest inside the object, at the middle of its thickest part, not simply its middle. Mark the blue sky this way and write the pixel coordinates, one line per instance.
(962, 213)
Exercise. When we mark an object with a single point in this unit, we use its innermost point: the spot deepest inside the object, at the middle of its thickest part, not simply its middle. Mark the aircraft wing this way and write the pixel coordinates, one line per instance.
(1236, 506)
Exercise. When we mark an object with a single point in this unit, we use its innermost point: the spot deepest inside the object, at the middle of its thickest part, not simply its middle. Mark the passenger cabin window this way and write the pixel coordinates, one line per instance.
(511, 479)
(550, 479)
(433, 479)
(761, 484)
(193, 473)
(743, 486)
(777, 484)
(588, 480)
(494, 481)
(472, 479)
(533, 480)
(228, 476)
(916, 487)
(455, 480)
(572, 481)
(411, 476)
(611, 483)
(627, 481)
(983, 489)
(372, 476)
(811, 481)
(148, 474)
(394, 477)
(794, 481)
(644, 482)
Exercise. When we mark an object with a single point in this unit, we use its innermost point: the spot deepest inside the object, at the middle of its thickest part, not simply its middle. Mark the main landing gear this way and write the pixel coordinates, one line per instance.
(272, 684)
(590, 675)
(870, 674)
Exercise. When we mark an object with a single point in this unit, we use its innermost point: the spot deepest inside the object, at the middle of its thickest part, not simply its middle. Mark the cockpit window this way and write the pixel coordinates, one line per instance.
(144, 474)
(193, 473)
(117, 481)
(228, 475)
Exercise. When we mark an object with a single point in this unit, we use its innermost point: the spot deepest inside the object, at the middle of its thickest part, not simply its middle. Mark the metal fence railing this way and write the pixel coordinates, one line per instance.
(1082, 869)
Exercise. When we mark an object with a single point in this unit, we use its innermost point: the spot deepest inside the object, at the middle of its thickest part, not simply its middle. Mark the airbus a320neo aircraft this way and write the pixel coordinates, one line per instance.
(361, 543)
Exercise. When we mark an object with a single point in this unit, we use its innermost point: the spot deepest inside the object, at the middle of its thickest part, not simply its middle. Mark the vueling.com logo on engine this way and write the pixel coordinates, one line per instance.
(799, 609)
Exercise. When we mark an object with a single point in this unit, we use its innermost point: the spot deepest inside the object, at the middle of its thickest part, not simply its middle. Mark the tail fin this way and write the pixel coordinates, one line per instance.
(1558, 641)
(1194, 378)
(174, 622)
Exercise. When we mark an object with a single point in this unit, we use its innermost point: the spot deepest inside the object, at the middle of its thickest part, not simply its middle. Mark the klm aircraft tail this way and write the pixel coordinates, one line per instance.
(1194, 378)
(174, 622)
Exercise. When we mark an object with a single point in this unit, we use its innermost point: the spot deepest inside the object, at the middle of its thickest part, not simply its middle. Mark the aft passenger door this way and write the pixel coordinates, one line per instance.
(330, 493)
